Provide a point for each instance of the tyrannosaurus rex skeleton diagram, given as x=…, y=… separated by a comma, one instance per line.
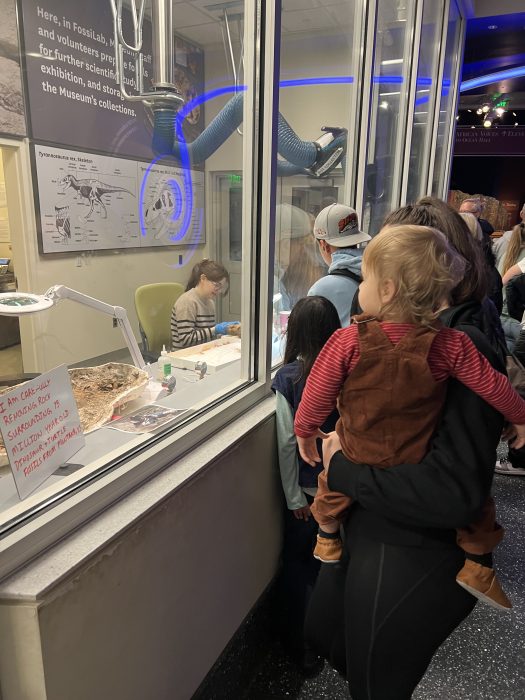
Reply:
x=92, y=190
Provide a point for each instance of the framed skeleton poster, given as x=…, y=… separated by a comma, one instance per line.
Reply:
x=88, y=202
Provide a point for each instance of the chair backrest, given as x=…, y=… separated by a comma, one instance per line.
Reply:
x=153, y=304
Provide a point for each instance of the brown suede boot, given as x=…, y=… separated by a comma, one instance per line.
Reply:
x=482, y=583
x=328, y=550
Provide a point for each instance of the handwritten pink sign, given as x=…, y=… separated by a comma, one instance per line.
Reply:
x=41, y=428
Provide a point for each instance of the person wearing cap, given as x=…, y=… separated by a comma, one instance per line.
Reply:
x=336, y=230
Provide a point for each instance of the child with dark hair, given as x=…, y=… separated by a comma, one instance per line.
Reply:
x=387, y=374
x=193, y=314
x=311, y=322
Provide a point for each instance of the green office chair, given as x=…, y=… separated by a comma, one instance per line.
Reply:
x=153, y=304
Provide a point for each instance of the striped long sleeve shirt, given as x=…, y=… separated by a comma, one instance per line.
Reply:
x=192, y=320
x=452, y=354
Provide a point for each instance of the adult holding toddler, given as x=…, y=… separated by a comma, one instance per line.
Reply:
x=380, y=614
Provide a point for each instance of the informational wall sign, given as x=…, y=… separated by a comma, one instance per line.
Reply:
x=496, y=141
x=12, y=113
x=41, y=428
x=72, y=93
x=93, y=202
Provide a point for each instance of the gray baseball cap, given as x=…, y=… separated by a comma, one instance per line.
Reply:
x=338, y=225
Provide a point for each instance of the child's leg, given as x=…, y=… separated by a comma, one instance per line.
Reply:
x=478, y=541
x=328, y=509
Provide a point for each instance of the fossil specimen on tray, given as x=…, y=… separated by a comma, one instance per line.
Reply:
x=99, y=390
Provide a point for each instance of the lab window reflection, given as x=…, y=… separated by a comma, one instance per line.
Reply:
x=298, y=262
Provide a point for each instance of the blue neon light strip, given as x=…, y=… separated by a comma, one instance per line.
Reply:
x=492, y=78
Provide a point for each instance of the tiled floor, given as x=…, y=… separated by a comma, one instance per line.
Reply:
x=483, y=660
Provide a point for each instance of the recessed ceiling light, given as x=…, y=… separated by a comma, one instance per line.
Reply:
x=492, y=26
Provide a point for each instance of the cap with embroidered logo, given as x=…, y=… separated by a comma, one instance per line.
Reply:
x=338, y=225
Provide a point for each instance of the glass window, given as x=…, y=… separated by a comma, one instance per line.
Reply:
x=319, y=64
x=425, y=97
x=446, y=121
x=392, y=65
x=144, y=216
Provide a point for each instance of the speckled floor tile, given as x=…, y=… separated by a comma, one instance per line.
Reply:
x=483, y=660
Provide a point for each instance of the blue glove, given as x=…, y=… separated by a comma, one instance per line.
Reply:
x=222, y=328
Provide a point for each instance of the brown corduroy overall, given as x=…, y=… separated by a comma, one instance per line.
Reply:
x=389, y=407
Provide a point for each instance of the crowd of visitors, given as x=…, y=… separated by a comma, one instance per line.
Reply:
x=416, y=463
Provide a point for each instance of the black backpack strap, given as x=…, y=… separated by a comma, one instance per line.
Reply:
x=345, y=272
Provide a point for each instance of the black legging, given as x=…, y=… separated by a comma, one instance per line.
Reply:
x=380, y=618
x=298, y=574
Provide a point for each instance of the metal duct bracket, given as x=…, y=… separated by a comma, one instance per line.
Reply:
x=166, y=93
x=228, y=47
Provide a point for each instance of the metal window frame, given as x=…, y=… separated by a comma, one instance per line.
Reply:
x=418, y=14
x=366, y=96
x=444, y=183
x=356, y=103
x=439, y=83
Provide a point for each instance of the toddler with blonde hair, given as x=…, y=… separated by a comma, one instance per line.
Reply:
x=386, y=372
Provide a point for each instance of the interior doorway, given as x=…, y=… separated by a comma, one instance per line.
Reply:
x=227, y=218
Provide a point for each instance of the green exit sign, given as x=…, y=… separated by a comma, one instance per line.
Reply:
x=235, y=179
x=502, y=103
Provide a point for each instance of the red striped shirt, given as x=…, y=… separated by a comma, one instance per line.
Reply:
x=452, y=354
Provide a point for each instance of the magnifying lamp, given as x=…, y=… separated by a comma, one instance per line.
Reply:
x=20, y=304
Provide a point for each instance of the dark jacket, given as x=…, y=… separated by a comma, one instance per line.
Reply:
x=515, y=293
x=418, y=503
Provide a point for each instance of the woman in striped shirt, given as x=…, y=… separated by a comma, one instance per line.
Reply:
x=193, y=315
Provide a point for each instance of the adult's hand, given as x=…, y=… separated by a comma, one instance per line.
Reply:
x=331, y=445
x=308, y=447
x=302, y=513
x=222, y=327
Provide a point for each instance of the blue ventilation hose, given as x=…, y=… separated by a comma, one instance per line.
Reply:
x=299, y=155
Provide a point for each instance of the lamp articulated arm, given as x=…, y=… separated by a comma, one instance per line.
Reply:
x=119, y=312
